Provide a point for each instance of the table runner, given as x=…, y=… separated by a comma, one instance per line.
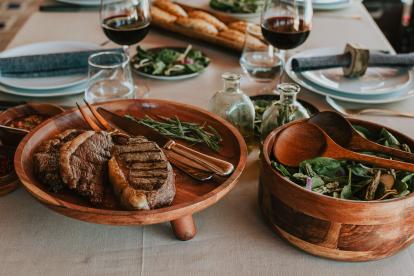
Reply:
x=232, y=238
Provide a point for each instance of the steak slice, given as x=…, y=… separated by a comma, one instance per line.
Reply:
x=84, y=162
x=46, y=159
x=141, y=175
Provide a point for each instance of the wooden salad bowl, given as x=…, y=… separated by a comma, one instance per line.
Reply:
x=11, y=139
x=334, y=228
x=191, y=195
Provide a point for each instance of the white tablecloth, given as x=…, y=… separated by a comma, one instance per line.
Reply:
x=232, y=237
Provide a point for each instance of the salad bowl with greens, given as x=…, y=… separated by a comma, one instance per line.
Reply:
x=169, y=63
x=338, y=209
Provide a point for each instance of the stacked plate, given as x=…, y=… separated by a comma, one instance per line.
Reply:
x=378, y=85
x=82, y=2
x=331, y=4
x=46, y=86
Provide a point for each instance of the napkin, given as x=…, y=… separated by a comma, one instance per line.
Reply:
x=376, y=59
x=48, y=65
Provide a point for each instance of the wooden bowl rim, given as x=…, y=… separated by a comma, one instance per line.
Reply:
x=174, y=211
x=18, y=109
x=275, y=132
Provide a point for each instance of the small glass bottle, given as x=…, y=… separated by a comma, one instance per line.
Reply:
x=233, y=105
x=285, y=110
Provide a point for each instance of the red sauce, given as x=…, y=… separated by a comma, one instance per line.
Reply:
x=28, y=122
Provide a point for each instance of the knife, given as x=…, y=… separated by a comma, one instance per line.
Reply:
x=218, y=166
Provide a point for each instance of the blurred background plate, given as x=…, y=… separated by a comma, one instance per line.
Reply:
x=376, y=81
x=82, y=2
x=405, y=93
x=46, y=83
x=72, y=90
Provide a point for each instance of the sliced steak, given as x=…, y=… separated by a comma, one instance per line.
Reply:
x=141, y=175
x=46, y=159
x=84, y=163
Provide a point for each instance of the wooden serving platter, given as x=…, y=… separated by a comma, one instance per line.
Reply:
x=211, y=39
x=11, y=139
x=191, y=196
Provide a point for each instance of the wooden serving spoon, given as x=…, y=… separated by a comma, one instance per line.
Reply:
x=341, y=131
x=303, y=141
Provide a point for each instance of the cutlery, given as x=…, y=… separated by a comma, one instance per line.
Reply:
x=14, y=129
x=373, y=111
x=341, y=131
x=303, y=141
x=218, y=166
x=195, y=171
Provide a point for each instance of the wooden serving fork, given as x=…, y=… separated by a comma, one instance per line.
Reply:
x=194, y=170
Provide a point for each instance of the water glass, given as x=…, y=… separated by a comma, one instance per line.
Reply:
x=262, y=64
x=109, y=77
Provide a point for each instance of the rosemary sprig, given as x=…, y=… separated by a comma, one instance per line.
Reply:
x=190, y=132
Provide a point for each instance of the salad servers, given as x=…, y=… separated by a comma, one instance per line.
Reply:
x=303, y=141
x=340, y=130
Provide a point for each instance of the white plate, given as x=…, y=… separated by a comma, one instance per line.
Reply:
x=73, y=90
x=332, y=4
x=405, y=93
x=82, y=2
x=376, y=81
x=46, y=83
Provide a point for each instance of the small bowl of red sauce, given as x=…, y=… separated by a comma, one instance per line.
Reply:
x=26, y=117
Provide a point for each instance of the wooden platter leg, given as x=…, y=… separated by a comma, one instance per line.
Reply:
x=184, y=228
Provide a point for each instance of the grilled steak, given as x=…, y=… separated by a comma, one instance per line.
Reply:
x=46, y=159
x=83, y=163
x=141, y=175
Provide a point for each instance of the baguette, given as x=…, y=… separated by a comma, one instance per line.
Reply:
x=171, y=8
x=197, y=25
x=160, y=16
x=241, y=26
x=209, y=19
x=233, y=35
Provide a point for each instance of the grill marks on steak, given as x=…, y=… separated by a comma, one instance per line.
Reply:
x=46, y=159
x=141, y=174
x=83, y=163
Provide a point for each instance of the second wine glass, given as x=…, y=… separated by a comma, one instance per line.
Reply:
x=286, y=24
x=125, y=22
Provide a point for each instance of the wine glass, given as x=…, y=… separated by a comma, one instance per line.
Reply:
x=261, y=62
x=286, y=24
x=125, y=22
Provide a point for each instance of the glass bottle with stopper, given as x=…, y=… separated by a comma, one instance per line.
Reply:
x=233, y=105
x=285, y=110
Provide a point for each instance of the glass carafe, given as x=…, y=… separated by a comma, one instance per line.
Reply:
x=285, y=110
x=233, y=105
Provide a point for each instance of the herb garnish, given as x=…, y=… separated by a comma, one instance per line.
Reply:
x=187, y=131
x=353, y=180
x=237, y=6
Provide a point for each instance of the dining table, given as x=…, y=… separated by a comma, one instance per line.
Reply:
x=233, y=237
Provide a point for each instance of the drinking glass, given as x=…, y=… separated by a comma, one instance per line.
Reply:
x=109, y=77
x=125, y=22
x=286, y=24
x=261, y=62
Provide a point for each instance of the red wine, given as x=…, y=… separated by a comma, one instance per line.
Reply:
x=282, y=33
x=124, y=30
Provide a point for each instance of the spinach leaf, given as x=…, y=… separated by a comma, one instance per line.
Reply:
x=322, y=166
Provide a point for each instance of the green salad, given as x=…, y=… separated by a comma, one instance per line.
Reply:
x=353, y=180
x=237, y=6
x=169, y=61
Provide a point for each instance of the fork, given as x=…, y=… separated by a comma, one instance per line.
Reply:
x=373, y=111
x=196, y=173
